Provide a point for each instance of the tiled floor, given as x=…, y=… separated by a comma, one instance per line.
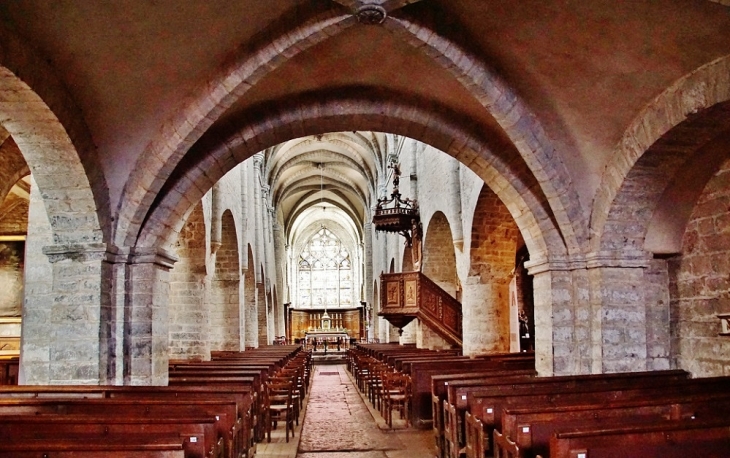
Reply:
x=340, y=423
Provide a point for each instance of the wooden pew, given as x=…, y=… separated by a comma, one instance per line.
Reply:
x=421, y=372
x=440, y=383
x=670, y=439
x=221, y=414
x=488, y=405
x=108, y=446
x=462, y=394
x=198, y=434
x=532, y=427
x=243, y=442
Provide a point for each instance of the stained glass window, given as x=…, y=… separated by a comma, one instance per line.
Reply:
x=325, y=275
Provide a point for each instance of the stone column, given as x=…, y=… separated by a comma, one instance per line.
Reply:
x=457, y=227
x=619, y=306
x=216, y=224
x=280, y=270
x=483, y=322
x=562, y=318
x=63, y=339
x=145, y=317
x=369, y=280
x=250, y=309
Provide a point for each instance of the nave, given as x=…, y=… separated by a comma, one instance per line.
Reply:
x=339, y=422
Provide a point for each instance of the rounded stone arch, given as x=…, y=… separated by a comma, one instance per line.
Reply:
x=557, y=195
x=514, y=117
x=250, y=309
x=188, y=329
x=418, y=120
x=439, y=257
x=49, y=131
x=14, y=166
x=224, y=305
x=391, y=269
x=495, y=240
x=177, y=136
x=407, y=263
x=698, y=282
x=644, y=159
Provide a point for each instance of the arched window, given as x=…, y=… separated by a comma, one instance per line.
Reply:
x=324, y=272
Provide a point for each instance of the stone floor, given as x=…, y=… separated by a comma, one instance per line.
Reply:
x=338, y=422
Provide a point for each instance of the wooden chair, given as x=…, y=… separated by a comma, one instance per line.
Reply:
x=396, y=395
x=279, y=407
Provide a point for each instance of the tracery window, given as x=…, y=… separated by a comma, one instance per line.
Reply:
x=325, y=272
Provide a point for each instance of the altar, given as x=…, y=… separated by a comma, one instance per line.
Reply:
x=326, y=340
x=306, y=325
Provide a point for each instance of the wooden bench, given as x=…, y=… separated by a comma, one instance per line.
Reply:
x=440, y=383
x=421, y=373
x=488, y=406
x=243, y=442
x=670, y=439
x=463, y=394
x=198, y=434
x=221, y=414
x=84, y=446
x=532, y=427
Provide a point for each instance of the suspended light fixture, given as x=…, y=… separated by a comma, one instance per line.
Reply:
x=399, y=215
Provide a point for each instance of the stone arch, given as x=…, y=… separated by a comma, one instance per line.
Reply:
x=486, y=297
x=262, y=305
x=698, y=283
x=188, y=318
x=223, y=303
x=407, y=263
x=439, y=258
x=250, y=304
x=635, y=165
x=513, y=115
x=72, y=226
x=14, y=166
x=50, y=132
x=520, y=125
x=182, y=131
x=391, y=269
x=512, y=182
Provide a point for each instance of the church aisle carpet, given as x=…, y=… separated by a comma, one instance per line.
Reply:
x=339, y=423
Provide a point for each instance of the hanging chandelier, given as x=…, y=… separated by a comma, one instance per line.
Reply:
x=397, y=214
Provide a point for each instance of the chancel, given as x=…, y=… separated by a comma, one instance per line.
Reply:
x=197, y=197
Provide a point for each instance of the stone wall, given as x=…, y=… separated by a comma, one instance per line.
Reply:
x=699, y=282
x=188, y=316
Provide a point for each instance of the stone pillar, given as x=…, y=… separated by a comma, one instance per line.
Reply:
x=63, y=338
x=146, y=319
x=262, y=318
x=36, y=335
x=280, y=269
x=457, y=227
x=250, y=309
x=557, y=344
x=409, y=335
x=216, y=223
x=619, y=308
x=484, y=321
x=369, y=280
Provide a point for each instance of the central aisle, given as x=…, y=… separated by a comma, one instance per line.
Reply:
x=339, y=423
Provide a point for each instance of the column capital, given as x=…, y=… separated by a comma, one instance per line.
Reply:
x=76, y=252
x=140, y=255
x=593, y=260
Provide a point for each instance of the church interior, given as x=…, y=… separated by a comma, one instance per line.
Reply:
x=536, y=186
